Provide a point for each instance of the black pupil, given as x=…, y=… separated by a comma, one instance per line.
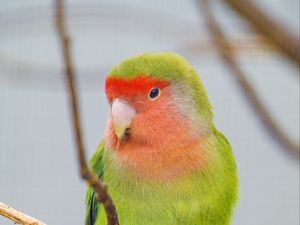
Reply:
x=154, y=93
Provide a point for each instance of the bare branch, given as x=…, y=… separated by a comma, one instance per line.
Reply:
x=228, y=56
x=102, y=194
x=276, y=33
x=18, y=217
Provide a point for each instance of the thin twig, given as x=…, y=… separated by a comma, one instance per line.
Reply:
x=18, y=217
x=102, y=194
x=263, y=23
x=229, y=59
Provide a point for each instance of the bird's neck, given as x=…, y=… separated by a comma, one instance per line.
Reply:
x=158, y=162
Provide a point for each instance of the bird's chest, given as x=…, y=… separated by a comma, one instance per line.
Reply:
x=154, y=203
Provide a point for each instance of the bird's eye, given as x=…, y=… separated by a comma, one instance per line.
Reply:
x=154, y=93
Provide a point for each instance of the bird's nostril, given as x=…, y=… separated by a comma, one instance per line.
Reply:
x=128, y=132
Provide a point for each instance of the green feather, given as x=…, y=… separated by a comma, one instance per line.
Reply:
x=204, y=198
x=96, y=166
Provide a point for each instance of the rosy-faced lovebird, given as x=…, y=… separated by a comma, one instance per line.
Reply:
x=162, y=159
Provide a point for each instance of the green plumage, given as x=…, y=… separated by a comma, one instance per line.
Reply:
x=205, y=197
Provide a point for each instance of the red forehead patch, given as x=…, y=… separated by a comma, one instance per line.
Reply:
x=141, y=84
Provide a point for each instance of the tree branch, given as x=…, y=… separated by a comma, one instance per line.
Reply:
x=277, y=34
x=102, y=194
x=18, y=217
x=228, y=57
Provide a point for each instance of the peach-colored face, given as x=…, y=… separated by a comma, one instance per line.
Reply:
x=159, y=133
x=156, y=120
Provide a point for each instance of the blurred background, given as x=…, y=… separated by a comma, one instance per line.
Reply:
x=38, y=170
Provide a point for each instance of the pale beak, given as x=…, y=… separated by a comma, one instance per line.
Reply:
x=122, y=116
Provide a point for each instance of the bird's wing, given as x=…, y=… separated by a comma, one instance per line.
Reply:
x=96, y=166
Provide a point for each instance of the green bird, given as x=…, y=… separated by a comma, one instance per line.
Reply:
x=162, y=159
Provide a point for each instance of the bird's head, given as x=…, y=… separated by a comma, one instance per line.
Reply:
x=156, y=99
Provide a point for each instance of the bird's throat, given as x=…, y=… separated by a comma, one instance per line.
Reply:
x=160, y=163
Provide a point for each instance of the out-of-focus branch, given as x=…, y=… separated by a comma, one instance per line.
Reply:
x=277, y=34
x=228, y=56
x=18, y=217
x=102, y=194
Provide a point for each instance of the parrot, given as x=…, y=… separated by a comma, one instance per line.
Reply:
x=162, y=159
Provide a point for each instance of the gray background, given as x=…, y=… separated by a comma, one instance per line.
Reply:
x=38, y=171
